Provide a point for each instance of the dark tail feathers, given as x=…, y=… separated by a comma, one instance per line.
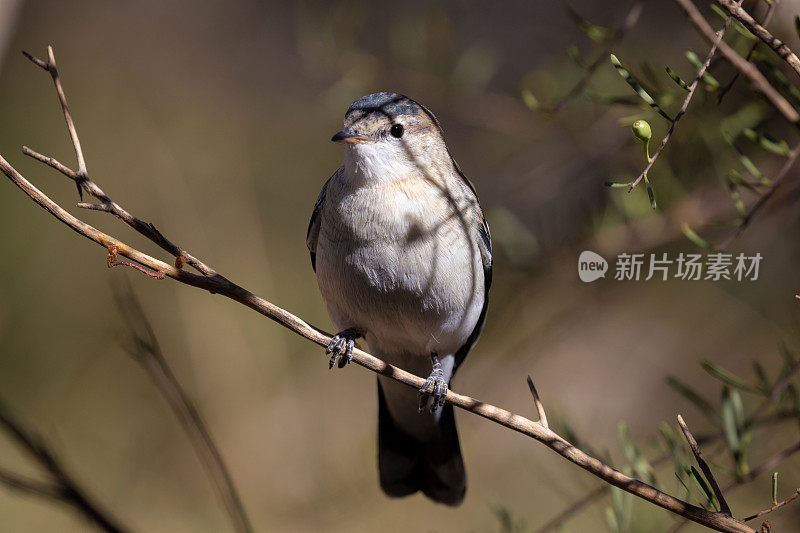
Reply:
x=407, y=465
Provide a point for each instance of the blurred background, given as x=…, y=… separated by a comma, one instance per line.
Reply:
x=212, y=120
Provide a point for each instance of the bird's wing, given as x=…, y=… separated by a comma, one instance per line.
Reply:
x=316, y=219
x=481, y=231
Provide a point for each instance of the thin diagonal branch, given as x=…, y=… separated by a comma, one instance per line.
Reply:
x=221, y=285
x=682, y=111
x=778, y=46
x=64, y=487
x=147, y=351
x=701, y=462
x=774, y=507
x=756, y=78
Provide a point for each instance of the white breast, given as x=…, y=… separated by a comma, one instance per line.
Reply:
x=399, y=259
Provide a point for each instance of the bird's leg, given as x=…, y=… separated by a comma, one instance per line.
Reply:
x=435, y=386
x=341, y=347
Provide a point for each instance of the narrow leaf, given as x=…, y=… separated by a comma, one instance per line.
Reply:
x=708, y=79
x=694, y=237
x=703, y=486
x=735, y=196
x=695, y=398
x=677, y=79
x=637, y=87
x=650, y=194
x=615, y=185
x=730, y=378
x=598, y=34
x=767, y=142
x=530, y=100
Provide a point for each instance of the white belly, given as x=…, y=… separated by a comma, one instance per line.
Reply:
x=412, y=282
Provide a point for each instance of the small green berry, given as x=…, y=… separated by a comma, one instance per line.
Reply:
x=641, y=130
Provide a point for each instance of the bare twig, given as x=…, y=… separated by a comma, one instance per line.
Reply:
x=64, y=488
x=774, y=507
x=630, y=21
x=538, y=402
x=221, y=285
x=147, y=351
x=682, y=111
x=762, y=33
x=757, y=79
x=701, y=462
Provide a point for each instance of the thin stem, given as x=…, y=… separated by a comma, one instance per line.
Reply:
x=682, y=111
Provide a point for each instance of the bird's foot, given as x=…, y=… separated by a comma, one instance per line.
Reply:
x=341, y=347
x=432, y=394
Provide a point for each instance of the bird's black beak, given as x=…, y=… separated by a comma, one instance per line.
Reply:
x=349, y=135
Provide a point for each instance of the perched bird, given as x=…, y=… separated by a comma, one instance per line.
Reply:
x=403, y=259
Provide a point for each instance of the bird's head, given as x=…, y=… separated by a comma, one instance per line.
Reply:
x=390, y=134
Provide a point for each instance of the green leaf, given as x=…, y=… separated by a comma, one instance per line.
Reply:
x=729, y=426
x=598, y=34
x=768, y=142
x=761, y=375
x=694, y=237
x=530, y=100
x=775, y=474
x=708, y=79
x=575, y=55
x=738, y=26
x=677, y=79
x=689, y=492
x=776, y=77
x=730, y=378
x=611, y=520
x=650, y=194
x=695, y=398
x=615, y=185
x=701, y=484
x=734, y=192
x=736, y=179
x=640, y=465
x=637, y=87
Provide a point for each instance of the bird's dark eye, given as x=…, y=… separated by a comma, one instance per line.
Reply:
x=396, y=130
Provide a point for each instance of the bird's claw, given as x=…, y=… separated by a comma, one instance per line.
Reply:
x=434, y=390
x=341, y=348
